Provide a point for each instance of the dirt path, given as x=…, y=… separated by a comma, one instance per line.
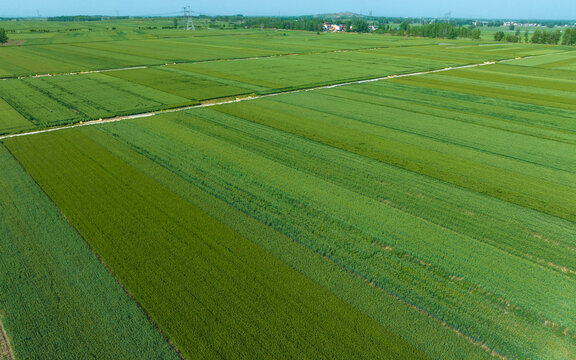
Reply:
x=5, y=350
x=240, y=99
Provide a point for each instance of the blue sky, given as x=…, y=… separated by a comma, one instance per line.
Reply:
x=558, y=9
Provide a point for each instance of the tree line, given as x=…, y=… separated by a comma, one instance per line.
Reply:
x=85, y=18
x=540, y=37
x=569, y=37
x=3, y=36
x=309, y=24
x=442, y=30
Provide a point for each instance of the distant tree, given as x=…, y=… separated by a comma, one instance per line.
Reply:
x=3, y=36
x=476, y=33
x=546, y=37
x=348, y=25
x=512, y=38
x=537, y=37
x=405, y=26
x=360, y=26
x=175, y=23
x=569, y=37
x=555, y=37
x=526, y=36
x=442, y=30
x=511, y=27
x=499, y=36
x=572, y=37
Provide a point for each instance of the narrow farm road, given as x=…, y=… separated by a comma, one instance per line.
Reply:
x=249, y=98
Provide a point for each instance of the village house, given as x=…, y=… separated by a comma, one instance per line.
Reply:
x=333, y=27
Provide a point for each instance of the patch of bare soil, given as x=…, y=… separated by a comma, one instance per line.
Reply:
x=13, y=43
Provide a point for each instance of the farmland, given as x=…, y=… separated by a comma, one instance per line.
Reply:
x=58, y=100
x=47, y=268
x=213, y=259
x=198, y=69
x=426, y=216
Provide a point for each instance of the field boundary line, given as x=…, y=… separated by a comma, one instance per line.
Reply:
x=254, y=97
x=162, y=333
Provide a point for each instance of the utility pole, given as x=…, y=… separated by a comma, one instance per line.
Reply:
x=189, y=22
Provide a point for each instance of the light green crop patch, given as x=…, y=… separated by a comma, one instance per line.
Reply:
x=11, y=120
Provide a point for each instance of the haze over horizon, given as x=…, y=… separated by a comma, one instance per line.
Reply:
x=514, y=9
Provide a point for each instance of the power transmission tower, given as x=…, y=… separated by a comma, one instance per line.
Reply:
x=189, y=22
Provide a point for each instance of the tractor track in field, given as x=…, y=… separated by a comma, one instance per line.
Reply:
x=210, y=103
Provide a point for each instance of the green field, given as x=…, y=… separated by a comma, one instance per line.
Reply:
x=198, y=68
x=56, y=298
x=178, y=47
x=239, y=300
x=426, y=216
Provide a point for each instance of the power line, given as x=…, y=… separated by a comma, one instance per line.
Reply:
x=189, y=22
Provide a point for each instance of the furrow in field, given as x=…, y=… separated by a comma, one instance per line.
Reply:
x=268, y=143
x=503, y=116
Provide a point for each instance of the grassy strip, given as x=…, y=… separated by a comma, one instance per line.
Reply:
x=10, y=120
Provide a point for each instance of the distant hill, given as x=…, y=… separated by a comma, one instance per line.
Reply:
x=344, y=14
